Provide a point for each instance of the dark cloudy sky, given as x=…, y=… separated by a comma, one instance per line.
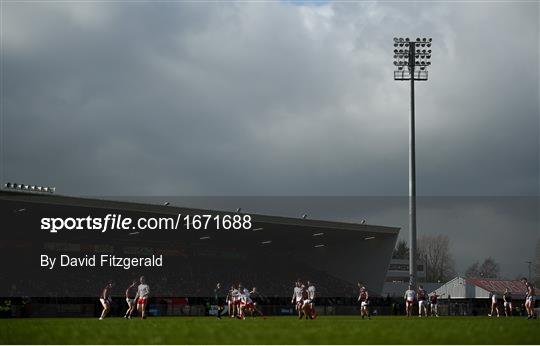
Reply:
x=269, y=98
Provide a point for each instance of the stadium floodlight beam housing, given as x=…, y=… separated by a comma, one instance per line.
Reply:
x=30, y=188
x=412, y=63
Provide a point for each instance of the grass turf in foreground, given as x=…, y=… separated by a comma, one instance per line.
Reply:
x=274, y=330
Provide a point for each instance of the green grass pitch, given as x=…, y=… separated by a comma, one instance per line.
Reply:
x=274, y=330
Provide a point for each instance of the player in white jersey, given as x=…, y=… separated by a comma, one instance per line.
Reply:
x=235, y=296
x=105, y=299
x=131, y=292
x=243, y=301
x=297, y=298
x=422, y=301
x=309, y=303
x=238, y=300
x=247, y=304
x=143, y=293
x=410, y=296
x=230, y=300
x=494, y=305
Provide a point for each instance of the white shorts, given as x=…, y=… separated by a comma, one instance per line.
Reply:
x=364, y=303
x=130, y=301
x=421, y=303
x=105, y=301
x=507, y=304
x=307, y=301
x=434, y=306
x=531, y=298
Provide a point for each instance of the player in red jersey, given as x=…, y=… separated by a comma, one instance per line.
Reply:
x=131, y=292
x=305, y=310
x=363, y=298
x=105, y=299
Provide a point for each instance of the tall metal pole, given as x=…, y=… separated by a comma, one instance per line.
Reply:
x=409, y=58
x=412, y=178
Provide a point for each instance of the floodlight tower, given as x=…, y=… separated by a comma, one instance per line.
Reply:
x=411, y=59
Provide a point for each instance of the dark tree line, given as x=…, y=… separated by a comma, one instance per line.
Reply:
x=434, y=253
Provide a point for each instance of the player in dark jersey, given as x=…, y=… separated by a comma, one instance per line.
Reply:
x=304, y=308
x=529, y=298
x=433, y=302
x=105, y=299
x=131, y=292
x=507, y=298
x=255, y=298
x=363, y=298
x=218, y=299
x=422, y=301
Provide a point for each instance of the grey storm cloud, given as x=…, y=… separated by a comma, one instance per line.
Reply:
x=268, y=98
x=276, y=98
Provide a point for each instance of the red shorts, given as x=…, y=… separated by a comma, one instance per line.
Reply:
x=142, y=300
x=409, y=302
